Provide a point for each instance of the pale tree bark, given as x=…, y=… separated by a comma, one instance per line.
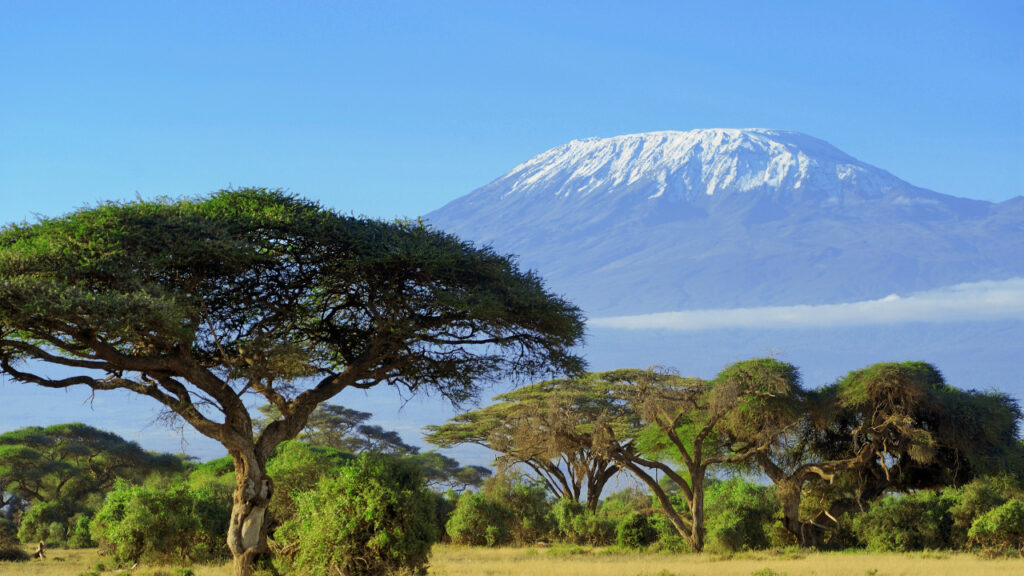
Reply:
x=247, y=529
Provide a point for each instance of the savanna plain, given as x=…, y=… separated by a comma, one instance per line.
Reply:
x=450, y=560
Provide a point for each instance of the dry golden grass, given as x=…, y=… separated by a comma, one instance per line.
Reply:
x=459, y=561
x=463, y=561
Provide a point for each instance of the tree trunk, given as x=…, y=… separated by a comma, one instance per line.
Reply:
x=247, y=531
x=790, y=493
x=697, y=513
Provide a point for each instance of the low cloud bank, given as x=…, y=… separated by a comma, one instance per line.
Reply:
x=990, y=300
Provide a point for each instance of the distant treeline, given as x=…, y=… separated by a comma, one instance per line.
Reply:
x=888, y=457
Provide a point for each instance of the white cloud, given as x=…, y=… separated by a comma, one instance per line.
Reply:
x=990, y=300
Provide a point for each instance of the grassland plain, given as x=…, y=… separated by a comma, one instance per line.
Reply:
x=581, y=561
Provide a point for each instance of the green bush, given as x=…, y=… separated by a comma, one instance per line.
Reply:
x=906, y=522
x=444, y=507
x=974, y=499
x=79, y=535
x=578, y=525
x=1000, y=529
x=296, y=467
x=42, y=522
x=739, y=515
x=635, y=531
x=626, y=501
x=139, y=523
x=375, y=517
x=477, y=521
x=528, y=502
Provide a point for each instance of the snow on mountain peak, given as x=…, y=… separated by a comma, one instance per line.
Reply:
x=689, y=164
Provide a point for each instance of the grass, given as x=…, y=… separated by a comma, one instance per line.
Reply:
x=586, y=561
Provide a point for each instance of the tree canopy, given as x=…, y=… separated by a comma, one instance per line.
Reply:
x=197, y=302
x=70, y=461
x=893, y=426
x=537, y=426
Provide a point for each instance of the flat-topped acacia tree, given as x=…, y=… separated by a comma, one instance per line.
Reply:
x=196, y=303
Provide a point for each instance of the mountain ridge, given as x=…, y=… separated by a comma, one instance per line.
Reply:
x=721, y=217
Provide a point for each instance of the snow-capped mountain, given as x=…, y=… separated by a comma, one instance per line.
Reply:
x=684, y=165
x=717, y=218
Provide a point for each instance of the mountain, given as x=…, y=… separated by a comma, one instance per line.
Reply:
x=725, y=218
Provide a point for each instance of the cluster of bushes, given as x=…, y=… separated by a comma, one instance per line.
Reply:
x=514, y=510
x=986, y=514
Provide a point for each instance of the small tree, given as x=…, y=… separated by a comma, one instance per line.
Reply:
x=660, y=416
x=376, y=517
x=197, y=303
x=535, y=426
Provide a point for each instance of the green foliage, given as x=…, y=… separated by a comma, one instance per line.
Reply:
x=479, y=521
x=635, y=531
x=974, y=499
x=296, y=467
x=527, y=500
x=140, y=523
x=906, y=522
x=342, y=429
x=579, y=525
x=375, y=517
x=79, y=536
x=740, y=515
x=442, y=472
x=37, y=522
x=545, y=426
x=1001, y=529
x=63, y=471
x=197, y=302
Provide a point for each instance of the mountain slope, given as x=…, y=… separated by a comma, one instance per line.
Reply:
x=720, y=218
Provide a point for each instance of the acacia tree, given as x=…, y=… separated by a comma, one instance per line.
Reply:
x=196, y=303
x=888, y=427
x=678, y=426
x=67, y=462
x=537, y=426
x=343, y=429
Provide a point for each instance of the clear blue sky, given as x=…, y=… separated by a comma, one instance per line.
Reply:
x=395, y=108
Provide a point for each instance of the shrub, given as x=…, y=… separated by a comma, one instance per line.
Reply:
x=444, y=506
x=43, y=522
x=974, y=499
x=528, y=502
x=906, y=522
x=161, y=525
x=626, y=501
x=740, y=515
x=296, y=467
x=79, y=535
x=578, y=525
x=477, y=521
x=375, y=517
x=635, y=531
x=1000, y=529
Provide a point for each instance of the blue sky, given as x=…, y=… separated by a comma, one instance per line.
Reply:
x=395, y=108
